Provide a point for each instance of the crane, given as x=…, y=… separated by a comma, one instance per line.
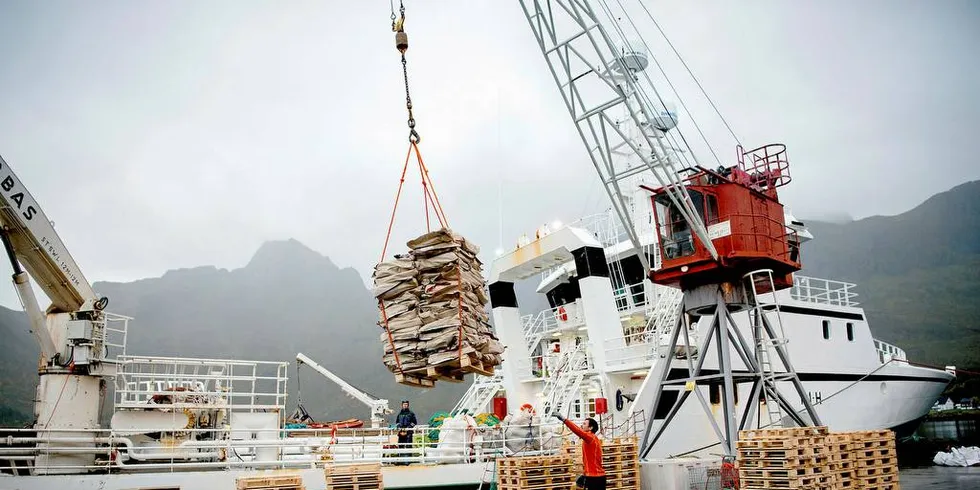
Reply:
x=78, y=339
x=379, y=407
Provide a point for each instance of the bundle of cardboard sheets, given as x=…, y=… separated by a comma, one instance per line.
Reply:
x=426, y=298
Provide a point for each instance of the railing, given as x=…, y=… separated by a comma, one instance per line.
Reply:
x=888, y=352
x=634, y=350
x=823, y=291
x=549, y=321
x=547, y=365
x=114, y=335
x=631, y=299
x=479, y=394
x=184, y=383
x=119, y=452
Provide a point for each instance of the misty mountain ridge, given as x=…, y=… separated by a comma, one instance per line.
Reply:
x=917, y=274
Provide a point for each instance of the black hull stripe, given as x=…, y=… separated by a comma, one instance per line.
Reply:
x=818, y=312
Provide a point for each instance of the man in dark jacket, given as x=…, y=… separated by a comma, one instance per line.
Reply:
x=404, y=422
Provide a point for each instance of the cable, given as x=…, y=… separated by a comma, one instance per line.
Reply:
x=681, y=58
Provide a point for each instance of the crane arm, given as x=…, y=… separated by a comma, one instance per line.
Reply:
x=378, y=406
x=39, y=248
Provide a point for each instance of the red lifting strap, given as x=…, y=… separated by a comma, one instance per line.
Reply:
x=429, y=199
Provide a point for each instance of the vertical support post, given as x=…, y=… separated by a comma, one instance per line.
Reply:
x=724, y=359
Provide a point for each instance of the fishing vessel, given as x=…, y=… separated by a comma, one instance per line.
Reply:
x=618, y=341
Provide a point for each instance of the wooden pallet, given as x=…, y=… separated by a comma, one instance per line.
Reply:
x=535, y=472
x=416, y=381
x=780, y=432
x=357, y=476
x=263, y=482
x=620, y=461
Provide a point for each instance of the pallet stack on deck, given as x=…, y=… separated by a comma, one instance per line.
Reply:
x=811, y=458
x=873, y=460
x=365, y=476
x=270, y=482
x=792, y=459
x=840, y=460
x=535, y=472
x=620, y=460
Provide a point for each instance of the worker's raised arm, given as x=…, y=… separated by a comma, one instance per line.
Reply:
x=576, y=429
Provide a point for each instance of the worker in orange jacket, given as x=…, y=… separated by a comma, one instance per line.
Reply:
x=595, y=475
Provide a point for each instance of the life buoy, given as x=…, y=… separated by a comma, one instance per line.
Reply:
x=561, y=314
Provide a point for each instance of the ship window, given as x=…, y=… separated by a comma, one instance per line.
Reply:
x=590, y=407
x=850, y=331
x=826, y=329
x=714, y=393
x=711, y=209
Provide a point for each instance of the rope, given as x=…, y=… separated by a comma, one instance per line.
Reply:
x=689, y=72
x=459, y=308
x=398, y=195
x=440, y=214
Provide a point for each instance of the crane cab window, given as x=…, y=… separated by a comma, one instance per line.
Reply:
x=676, y=237
x=710, y=209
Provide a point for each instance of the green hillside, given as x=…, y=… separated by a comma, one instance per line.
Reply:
x=918, y=274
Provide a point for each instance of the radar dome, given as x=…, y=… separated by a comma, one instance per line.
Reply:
x=633, y=56
x=664, y=116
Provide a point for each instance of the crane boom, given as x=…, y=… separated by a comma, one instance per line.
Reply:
x=598, y=83
x=379, y=407
x=39, y=248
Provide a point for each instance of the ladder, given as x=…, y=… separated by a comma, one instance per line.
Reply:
x=534, y=329
x=479, y=394
x=665, y=315
x=561, y=389
x=764, y=344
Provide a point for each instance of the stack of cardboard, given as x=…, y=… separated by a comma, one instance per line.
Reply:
x=432, y=307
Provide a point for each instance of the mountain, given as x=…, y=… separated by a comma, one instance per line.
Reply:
x=918, y=274
x=287, y=299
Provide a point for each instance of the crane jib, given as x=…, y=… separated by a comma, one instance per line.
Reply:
x=30, y=232
x=8, y=185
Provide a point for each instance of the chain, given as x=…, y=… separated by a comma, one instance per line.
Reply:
x=401, y=43
x=413, y=135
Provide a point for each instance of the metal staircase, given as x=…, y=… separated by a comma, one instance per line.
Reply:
x=479, y=394
x=665, y=313
x=534, y=327
x=560, y=390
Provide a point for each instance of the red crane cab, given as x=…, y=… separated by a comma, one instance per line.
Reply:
x=745, y=222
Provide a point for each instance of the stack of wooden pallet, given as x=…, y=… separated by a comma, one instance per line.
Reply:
x=620, y=460
x=366, y=476
x=796, y=458
x=535, y=472
x=290, y=481
x=841, y=465
x=873, y=462
x=810, y=457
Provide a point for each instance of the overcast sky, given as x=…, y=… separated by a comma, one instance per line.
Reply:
x=160, y=135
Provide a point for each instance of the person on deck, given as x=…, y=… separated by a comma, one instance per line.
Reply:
x=404, y=422
x=595, y=475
